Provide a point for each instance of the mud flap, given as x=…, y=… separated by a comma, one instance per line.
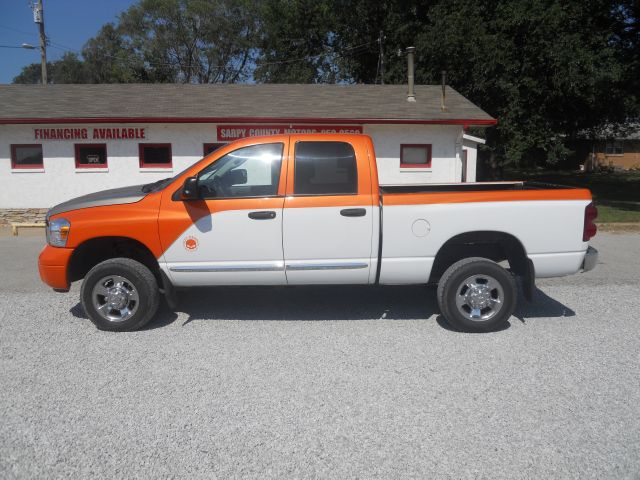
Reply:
x=529, y=281
x=169, y=291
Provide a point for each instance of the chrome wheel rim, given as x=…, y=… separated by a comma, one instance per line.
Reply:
x=115, y=298
x=479, y=297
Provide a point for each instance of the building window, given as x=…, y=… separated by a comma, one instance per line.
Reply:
x=26, y=156
x=211, y=147
x=91, y=155
x=614, y=148
x=325, y=168
x=155, y=155
x=415, y=156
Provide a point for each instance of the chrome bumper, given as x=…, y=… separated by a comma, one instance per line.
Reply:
x=590, y=259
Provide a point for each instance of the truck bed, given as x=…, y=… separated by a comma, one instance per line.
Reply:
x=417, y=220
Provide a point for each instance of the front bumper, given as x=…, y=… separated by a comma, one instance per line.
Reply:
x=52, y=265
x=590, y=259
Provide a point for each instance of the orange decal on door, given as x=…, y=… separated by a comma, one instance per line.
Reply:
x=190, y=243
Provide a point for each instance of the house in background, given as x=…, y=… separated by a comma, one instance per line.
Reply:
x=613, y=150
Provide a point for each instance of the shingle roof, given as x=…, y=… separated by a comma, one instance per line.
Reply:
x=178, y=102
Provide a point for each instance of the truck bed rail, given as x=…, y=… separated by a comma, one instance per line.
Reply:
x=470, y=187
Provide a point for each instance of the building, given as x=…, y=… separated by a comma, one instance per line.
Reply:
x=619, y=150
x=61, y=141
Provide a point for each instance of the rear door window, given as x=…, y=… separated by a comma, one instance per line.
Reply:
x=325, y=168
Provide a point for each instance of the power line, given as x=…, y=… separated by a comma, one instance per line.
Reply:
x=19, y=31
x=310, y=57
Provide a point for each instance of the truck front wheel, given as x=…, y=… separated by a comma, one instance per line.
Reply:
x=120, y=295
x=477, y=295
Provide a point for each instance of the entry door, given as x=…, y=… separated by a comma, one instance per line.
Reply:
x=328, y=216
x=233, y=235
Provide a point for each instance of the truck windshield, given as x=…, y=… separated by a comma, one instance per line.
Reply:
x=160, y=184
x=156, y=186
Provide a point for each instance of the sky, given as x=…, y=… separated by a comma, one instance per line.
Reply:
x=68, y=24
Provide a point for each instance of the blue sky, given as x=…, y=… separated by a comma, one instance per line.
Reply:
x=68, y=23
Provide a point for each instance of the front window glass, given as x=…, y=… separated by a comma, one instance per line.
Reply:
x=252, y=171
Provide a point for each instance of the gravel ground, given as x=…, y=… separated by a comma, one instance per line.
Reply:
x=323, y=383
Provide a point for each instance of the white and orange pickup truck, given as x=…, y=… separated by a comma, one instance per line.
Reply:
x=308, y=209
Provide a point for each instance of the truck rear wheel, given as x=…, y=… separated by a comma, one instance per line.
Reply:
x=477, y=295
x=120, y=295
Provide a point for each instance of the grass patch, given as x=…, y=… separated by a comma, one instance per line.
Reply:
x=608, y=214
x=616, y=194
x=621, y=186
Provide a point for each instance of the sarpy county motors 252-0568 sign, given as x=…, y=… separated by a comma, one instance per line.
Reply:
x=109, y=133
x=228, y=133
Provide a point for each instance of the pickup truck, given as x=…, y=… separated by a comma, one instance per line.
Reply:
x=308, y=209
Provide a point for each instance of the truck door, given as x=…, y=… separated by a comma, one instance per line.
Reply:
x=328, y=213
x=233, y=234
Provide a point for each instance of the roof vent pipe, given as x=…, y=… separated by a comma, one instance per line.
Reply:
x=411, y=96
x=444, y=93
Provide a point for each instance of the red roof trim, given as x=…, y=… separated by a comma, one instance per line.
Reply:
x=363, y=121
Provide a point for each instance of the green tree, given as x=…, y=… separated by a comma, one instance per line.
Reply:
x=395, y=23
x=626, y=38
x=31, y=74
x=193, y=41
x=548, y=70
x=109, y=58
x=69, y=69
x=297, y=42
x=187, y=41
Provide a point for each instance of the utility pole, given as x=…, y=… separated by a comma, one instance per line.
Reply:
x=38, y=17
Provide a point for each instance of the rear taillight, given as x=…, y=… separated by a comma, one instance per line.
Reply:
x=590, y=228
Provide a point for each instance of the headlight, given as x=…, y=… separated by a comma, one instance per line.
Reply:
x=58, y=232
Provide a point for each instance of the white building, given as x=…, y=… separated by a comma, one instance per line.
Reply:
x=61, y=141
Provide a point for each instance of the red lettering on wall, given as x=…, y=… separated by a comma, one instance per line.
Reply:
x=117, y=133
x=227, y=133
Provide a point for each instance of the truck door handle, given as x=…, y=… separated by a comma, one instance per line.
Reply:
x=264, y=215
x=353, y=212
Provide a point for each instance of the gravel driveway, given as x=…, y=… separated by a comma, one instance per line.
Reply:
x=323, y=383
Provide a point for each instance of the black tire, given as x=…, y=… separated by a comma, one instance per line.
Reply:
x=454, y=283
x=142, y=304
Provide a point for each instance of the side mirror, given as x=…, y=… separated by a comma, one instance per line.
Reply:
x=190, y=189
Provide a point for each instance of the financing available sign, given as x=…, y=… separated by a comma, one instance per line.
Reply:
x=97, y=133
x=228, y=133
